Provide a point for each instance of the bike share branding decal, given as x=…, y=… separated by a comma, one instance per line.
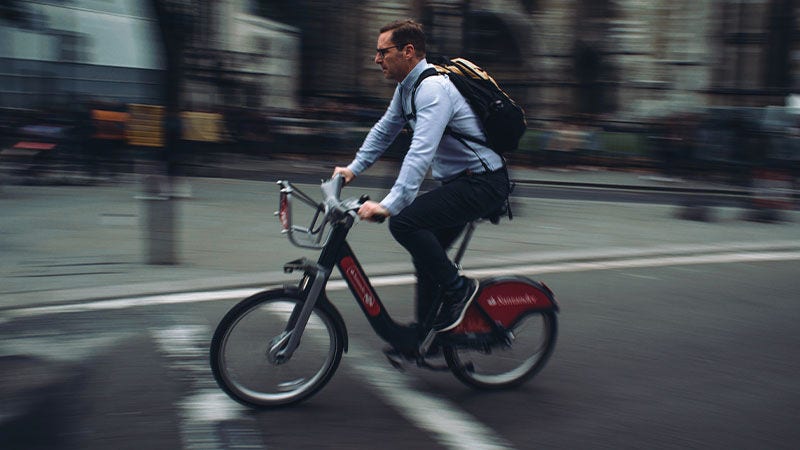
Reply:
x=360, y=286
x=505, y=301
x=522, y=300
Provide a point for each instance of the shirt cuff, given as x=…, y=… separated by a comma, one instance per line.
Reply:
x=356, y=167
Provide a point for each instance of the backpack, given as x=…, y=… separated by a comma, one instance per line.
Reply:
x=503, y=121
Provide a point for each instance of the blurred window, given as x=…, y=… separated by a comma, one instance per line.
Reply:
x=487, y=39
x=74, y=47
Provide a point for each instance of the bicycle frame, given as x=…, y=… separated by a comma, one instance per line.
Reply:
x=336, y=252
x=506, y=335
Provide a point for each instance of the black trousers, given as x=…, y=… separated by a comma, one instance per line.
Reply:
x=434, y=220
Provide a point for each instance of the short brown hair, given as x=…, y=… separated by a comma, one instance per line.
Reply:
x=407, y=32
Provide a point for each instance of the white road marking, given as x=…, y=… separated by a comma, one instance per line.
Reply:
x=68, y=348
x=661, y=261
x=209, y=419
x=398, y=280
x=444, y=420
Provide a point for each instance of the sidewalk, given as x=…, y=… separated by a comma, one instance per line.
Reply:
x=77, y=243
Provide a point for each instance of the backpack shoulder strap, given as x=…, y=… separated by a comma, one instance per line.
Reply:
x=425, y=74
x=462, y=138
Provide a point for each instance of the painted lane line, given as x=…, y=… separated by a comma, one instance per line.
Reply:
x=398, y=280
x=133, y=302
x=449, y=426
x=208, y=418
x=444, y=420
x=640, y=252
x=723, y=258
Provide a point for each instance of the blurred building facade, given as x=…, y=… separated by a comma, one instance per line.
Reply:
x=56, y=52
x=626, y=59
x=63, y=51
x=631, y=59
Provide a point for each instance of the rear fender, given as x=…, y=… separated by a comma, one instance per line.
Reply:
x=503, y=300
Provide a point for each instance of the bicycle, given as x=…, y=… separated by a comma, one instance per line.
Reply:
x=257, y=357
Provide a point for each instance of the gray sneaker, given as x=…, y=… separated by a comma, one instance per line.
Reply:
x=454, y=306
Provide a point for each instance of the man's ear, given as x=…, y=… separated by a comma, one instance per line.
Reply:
x=409, y=51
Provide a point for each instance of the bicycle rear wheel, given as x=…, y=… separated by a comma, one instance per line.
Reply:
x=500, y=366
x=244, y=336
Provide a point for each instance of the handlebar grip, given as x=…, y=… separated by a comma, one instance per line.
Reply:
x=380, y=218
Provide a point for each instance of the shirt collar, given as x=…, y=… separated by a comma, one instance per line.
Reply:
x=411, y=78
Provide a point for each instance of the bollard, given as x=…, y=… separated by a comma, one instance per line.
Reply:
x=159, y=219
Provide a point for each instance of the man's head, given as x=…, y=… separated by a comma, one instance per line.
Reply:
x=401, y=45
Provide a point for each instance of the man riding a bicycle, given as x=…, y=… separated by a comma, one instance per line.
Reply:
x=474, y=179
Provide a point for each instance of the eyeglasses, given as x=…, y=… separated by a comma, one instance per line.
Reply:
x=383, y=51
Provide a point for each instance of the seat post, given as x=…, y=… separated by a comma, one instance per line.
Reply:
x=464, y=243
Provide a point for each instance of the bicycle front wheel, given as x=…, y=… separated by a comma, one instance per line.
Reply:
x=242, y=341
x=500, y=366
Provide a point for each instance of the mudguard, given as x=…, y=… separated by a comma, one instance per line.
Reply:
x=503, y=301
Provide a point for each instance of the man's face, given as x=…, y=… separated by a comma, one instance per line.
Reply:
x=391, y=59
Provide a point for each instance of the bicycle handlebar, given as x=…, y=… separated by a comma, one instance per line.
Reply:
x=331, y=209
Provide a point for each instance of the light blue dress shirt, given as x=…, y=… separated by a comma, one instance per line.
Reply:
x=439, y=105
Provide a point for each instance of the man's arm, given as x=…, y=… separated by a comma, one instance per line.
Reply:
x=434, y=110
x=380, y=137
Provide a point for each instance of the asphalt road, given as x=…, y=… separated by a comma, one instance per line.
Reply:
x=673, y=333
x=654, y=353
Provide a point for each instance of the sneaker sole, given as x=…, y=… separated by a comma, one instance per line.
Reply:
x=463, y=311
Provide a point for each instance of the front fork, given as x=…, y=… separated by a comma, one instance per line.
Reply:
x=282, y=347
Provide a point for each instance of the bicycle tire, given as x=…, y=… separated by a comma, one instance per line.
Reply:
x=500, y=366
x=238, y=353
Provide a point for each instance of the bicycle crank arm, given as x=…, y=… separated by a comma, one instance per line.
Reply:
x=426, y=343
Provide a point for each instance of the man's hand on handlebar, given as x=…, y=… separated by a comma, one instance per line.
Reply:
x=345, y=172
x=373, y=211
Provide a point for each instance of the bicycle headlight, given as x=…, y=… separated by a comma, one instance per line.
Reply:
x=283, y=211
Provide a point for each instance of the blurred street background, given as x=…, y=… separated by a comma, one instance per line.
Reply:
x=657, y=195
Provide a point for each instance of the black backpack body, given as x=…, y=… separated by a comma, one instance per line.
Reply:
x=502, y=119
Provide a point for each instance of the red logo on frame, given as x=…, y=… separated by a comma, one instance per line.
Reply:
x=360, y=286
